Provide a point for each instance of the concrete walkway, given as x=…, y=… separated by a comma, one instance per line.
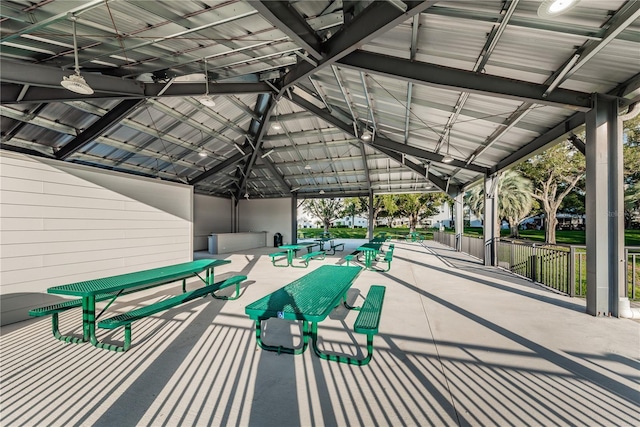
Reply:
x=459, y=344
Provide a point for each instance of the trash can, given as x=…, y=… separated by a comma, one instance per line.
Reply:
x=277, y=240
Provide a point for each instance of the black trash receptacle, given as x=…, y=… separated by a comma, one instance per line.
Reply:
x=277, y=240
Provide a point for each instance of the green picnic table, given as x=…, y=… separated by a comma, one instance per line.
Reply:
x=310, y=299
x=370, y=251
x=114, y=286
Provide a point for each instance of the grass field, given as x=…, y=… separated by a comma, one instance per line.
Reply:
x=631, y=237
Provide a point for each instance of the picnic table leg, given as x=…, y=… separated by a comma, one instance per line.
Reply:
x=89, y=327
x=337, y=357
x=56, y=332
x=279, y=349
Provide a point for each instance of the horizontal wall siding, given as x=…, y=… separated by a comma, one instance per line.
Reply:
x=63, y=223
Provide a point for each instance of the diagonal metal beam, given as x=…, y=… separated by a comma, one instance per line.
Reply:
x=540, y=142
x=100, y=126
x=389, y=148
x=627, y=14
x=422, y=153
x=217, y=168
x=283, y=16
x=578, y=143
x=461, y=80
x=378, y=18
x=262, y=129
x=274, y=172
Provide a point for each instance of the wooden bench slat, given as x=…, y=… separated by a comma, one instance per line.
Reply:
x=368, y=319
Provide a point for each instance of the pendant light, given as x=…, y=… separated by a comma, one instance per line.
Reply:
x=75, y=82
x=448, y=158
x=206, y=99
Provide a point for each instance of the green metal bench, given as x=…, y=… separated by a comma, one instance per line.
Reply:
x=367, y=323
x=353, y=255
x=334, y=248
x=307, y=257
x=278, y=256
x=126, y=319
x=55, y=309
x=388, y=257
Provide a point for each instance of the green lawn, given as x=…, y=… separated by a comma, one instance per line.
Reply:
x=360, y=233
x=631, y=237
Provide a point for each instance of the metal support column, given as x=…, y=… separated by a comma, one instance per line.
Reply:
x=294, y=218
x=371, y=224
x=491, y=228
x=604, y=208
x=458, y=217
x=235, y=226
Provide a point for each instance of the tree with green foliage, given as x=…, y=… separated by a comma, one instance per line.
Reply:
x=325, y=209
x=554, y=173
x=416, y=206
x=352, y=208
x=381, y=203
x=515, y=199
x=631, y=161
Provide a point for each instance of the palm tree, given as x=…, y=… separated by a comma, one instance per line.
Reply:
x=515, y=199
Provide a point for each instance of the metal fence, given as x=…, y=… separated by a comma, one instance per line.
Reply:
x=473, y=246
x=563, y=268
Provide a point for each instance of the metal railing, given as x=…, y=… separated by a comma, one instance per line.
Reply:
x=560, y=267
x=473, y=246
x=632, y=257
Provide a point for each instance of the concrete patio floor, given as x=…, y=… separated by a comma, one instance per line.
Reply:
x=459, y=344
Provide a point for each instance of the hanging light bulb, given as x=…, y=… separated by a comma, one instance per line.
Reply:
x=447, y=158
x=206, y=99
x=75, y=82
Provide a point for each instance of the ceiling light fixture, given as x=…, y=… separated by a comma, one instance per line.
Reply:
x=551, y=8
x=308, y=167
x=366, y=135
x=75, y=82
x=321, y=191
x=447, y=158
x=206, y=99
x=202, y=154
x=276, y=126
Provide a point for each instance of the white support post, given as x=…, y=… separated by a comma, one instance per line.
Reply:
x=604, y=208
x=371, y=224
x=294, y=218
x=490, y=222
x=458, y=218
